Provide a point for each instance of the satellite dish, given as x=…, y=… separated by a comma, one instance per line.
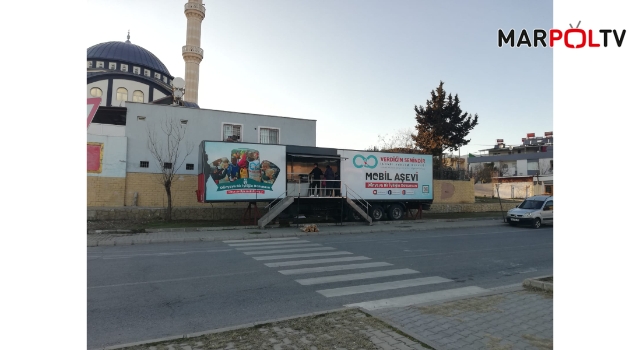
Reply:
x=177, y=93
x=178, y=83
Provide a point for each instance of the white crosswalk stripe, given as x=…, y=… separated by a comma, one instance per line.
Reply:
x=291, y=256
x=280, y=246
x=316, y=261
x=376, y=287
x=418, y=298
x=355, y=276
x=333, y=268
x=289, y=250
x=266, y=242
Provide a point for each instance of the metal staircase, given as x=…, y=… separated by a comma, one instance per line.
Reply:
x=359, y=205
x=275, y=210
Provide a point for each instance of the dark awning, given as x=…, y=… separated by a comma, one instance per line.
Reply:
x=316, y=156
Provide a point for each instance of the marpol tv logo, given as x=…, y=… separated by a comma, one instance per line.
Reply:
x=573, y=38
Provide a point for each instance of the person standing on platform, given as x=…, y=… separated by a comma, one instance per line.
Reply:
x=315, y=176
x=329, y=176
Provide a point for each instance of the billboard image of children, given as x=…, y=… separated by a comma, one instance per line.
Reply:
x=239, y=173
x=255, y=171
x=269, y=172
x=233, y=169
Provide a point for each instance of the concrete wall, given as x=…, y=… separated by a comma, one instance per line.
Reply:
x=519, y=190
x=236, y=212
x=202, y=125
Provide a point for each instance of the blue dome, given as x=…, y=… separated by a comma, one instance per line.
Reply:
x=129, y=53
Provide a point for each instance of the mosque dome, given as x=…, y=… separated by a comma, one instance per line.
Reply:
x=127, y=52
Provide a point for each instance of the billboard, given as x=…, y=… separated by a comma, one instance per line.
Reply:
x=243, y=171
x=387, y=176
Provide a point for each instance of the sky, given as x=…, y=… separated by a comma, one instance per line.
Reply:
x=357, y=67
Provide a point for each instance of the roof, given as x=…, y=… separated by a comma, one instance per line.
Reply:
x=129, y=53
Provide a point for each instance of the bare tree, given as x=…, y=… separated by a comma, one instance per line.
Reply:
x=546, y=166
x=400, y=141
x=168, y=153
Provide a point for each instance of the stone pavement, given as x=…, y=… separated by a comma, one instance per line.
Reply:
x=345, y=329
x=511, y=319
x=502, y=319
x=228, y=233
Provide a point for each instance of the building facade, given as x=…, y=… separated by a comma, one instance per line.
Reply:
x=122, y=170
x=525, y=169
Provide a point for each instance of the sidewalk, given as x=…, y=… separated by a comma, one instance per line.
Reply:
x=502, y=319
x=111, y=238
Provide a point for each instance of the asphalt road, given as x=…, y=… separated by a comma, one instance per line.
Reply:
x=143, y=292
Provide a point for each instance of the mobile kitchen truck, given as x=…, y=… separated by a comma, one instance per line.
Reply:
x=368, y=185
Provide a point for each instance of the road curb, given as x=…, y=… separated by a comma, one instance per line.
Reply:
x=266, y=234
x=235, y=228
x=535, y=284
x=220, y=330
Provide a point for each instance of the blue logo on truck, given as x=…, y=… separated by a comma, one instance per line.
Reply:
x=360, y=161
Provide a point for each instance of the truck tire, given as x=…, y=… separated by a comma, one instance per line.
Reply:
x=353, y=215
x=395, y=212
x=376, y=213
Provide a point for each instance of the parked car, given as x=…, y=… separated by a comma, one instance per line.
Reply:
x=534, y=211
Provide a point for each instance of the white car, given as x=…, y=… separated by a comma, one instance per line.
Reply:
x=534, y=211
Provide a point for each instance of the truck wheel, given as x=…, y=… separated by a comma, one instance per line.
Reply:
x=376, y=213
x=537, y=223
x=395, y=212
x=354, y=216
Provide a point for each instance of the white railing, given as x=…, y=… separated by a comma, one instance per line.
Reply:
x=355, y=197
x=270, y=205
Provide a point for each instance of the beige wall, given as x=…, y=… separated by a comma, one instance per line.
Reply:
x=151, y=193
x=105, y=191
x=447, y=191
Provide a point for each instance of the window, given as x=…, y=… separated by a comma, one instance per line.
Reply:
x=138, y=96
x=89, y=64
x=121, y=94
x=269, y=135
x=147, y=73
x=112, y=65
x=168, y=165
x=136, y=70
x=124, y=68
x=164, y=78
x=96, y=92
x=100, y=64
x=532, y=164
x=144, y=164
x=189, y=166
x=157, y=75
x=231, y=132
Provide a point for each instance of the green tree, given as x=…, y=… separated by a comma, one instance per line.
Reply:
x=441, y=125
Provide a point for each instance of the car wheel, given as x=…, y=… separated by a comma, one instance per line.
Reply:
x=537, y=223
x=395, y=212
x=376, y=213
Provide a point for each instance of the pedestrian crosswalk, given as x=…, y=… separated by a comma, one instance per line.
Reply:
x=328, y=260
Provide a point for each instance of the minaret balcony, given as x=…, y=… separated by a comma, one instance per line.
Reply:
x=194, y=6
x=192, y=50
